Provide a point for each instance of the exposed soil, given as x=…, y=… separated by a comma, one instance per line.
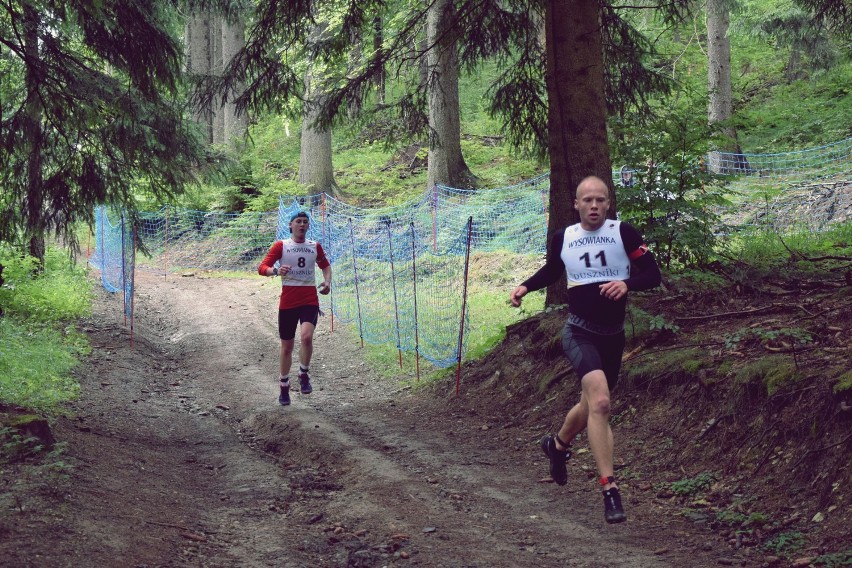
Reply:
x=182, y=456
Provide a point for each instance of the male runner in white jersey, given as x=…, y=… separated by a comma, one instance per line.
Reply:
x=299, y=302
x=603, y=260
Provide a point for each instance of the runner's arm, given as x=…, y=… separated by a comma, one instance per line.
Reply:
x=645, y=273
x=553, y=268
x=267, y=265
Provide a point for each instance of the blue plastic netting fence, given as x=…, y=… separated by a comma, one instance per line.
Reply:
x=810, y=164
x=803, y=165
x=114, y=256
x=399, y=271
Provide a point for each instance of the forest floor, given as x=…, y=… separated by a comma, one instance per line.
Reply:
x=177, y=454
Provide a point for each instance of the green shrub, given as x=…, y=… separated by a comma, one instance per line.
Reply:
x=60, y=293
x=35, y=364
x=640, y=324
x=834, y=560
x=844, y=382
x=693, y=485
x=772, y=372
x=38, y=349
x=785, y=543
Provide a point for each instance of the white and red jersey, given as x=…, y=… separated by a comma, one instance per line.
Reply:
x=592, y=257
x=298, y=286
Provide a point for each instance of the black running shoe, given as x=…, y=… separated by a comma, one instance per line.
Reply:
x=613, y=511
x=558, y=469
x=284, y=397
x=305, y=383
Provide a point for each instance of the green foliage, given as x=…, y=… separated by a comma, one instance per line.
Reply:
x=660, y=323
x=772, y=373
x=693, y=366
x=785, y=542
x=690, y=486
x=763, y=253
x=844, y=382
x=671, y=198
x=38, y=467
x=369, y=171
x=60, y=293
x=834, y=560
x=756, y=520
x=666, y=366
x=89, y=112
x=14, y=446
x=794, y=335
x=38, y=349
x=799, y=115
x=641, y=324
x=35, y=363
x=731, y=517
x=490, y=313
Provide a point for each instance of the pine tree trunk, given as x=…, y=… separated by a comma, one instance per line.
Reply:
x=378, y=40
x=198, y=63
x=794, y=64
x=216, y=67
x=446, y=163
x=315, y=166
x=720, y=107
x=356, y=53
x=34, y=202
x=233, y=39
x=577, y=134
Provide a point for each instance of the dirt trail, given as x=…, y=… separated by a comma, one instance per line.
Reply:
x=183, y=457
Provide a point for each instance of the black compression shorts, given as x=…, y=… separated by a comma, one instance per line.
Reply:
x=289, y=319
x=589, y=352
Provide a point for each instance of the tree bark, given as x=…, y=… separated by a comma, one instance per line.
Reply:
x=378, y=41
x=198, y=64
x=233, y=39
x=446, y=163
x=315, y=166
x=215, y=47
x=794, y=64
x=720, y=106
x=577, y=133
x=34, y=202
x=356, y=54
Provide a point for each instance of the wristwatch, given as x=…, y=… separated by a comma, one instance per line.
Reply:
x=275, y=271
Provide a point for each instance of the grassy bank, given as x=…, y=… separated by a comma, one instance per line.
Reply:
x=39, y=344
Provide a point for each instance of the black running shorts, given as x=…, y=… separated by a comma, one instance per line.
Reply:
x=288, y=320
x=589, y=352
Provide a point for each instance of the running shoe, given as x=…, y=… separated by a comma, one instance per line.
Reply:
x=613, y=511
x=305, y=383
x=558, y=469
x=284, y=397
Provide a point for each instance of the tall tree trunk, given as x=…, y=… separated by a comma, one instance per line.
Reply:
x=720, y=107
x=198, y=63
x=794, y=64
x=577, y=134
x=446, y=163
x=315, y=166
x=422, y=60
x=356, y=53
x=34, y=202
x=233, y=39
x=378, y=41
x=216, y=67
